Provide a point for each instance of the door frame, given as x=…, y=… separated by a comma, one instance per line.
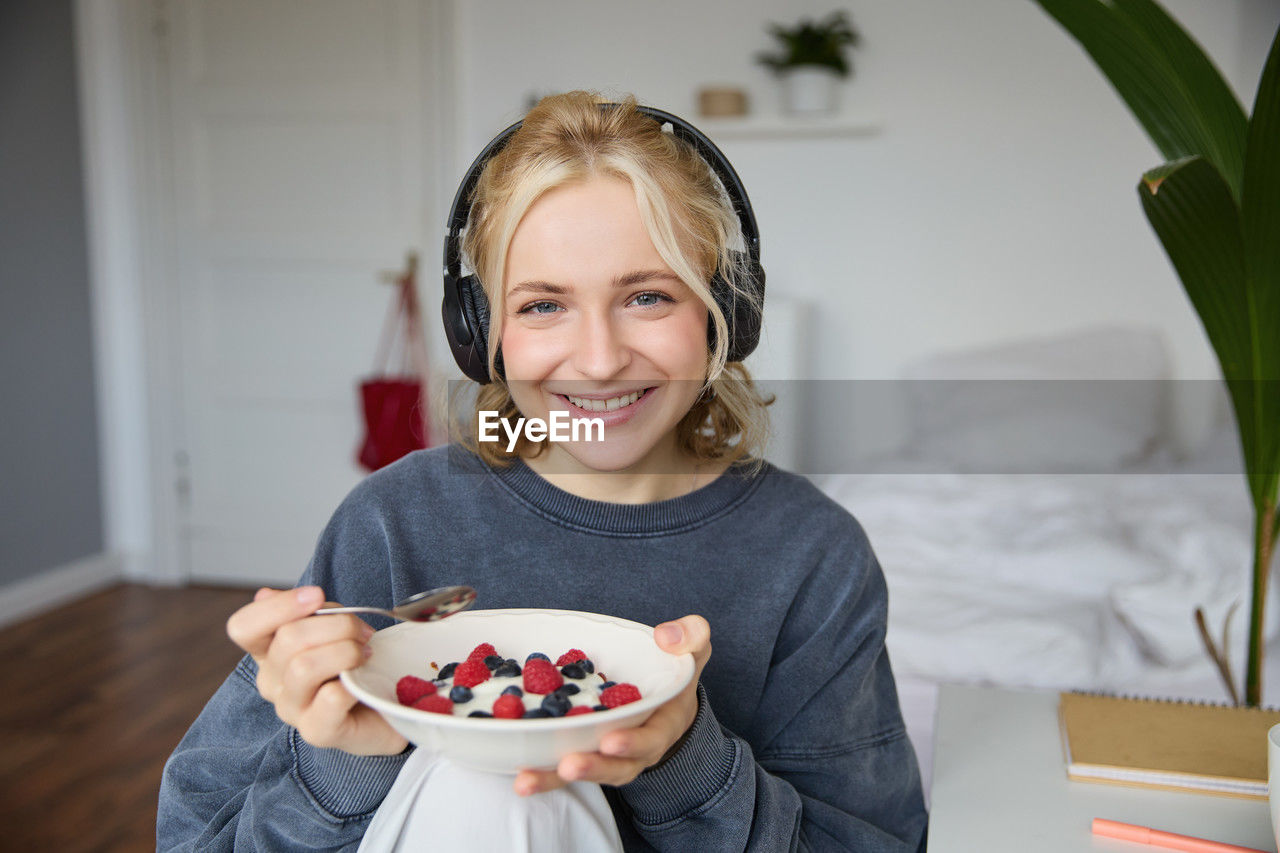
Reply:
x=127, y=151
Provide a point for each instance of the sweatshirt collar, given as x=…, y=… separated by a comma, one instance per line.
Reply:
x=672, y=515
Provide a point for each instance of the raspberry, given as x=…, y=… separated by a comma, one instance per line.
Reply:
x=508, y=707
x=435, y=703
x=470, y=673
x=619, y=694
x=578, y=709
x=411, y=688
x=570, y=656
x=541, y=677
x=482, y=651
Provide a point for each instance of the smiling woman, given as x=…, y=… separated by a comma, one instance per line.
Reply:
x=606, y=287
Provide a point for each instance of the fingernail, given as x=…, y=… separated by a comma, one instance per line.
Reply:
x=366, y=651
x=309, y=595
x=366, y=631
x=670, y=634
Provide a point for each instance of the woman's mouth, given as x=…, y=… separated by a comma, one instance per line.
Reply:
x=613, y=410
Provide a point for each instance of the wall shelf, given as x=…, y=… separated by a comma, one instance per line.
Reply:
x=773, y=126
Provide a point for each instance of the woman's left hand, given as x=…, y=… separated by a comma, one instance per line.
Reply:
x=626, y=752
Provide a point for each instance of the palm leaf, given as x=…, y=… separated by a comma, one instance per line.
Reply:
x=1172, y=89
x=1260, y=217
x=1217, y=104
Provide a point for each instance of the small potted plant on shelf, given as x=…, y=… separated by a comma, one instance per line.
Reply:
x=812, y=61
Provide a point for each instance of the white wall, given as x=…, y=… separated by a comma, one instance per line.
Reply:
x=998, y=200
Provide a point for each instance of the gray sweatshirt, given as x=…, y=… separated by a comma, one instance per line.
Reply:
x=798, y=742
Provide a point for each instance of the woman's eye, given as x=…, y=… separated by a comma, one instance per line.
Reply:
x=538, y=308
x=646, y=300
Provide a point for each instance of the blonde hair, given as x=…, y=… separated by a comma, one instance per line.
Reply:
x=568, y=138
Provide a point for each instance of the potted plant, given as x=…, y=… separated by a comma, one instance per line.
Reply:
x=1215, y=207
x=812, y=61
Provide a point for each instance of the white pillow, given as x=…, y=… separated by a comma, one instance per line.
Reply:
x=1088, y=402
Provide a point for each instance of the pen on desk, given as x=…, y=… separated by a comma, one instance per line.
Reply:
x=1169, y=840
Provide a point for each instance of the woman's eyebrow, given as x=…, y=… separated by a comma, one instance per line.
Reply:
x=625, y=280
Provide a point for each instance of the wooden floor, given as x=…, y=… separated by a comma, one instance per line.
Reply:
x=93, y=697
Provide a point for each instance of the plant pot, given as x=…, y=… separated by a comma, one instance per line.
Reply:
x=810, y=90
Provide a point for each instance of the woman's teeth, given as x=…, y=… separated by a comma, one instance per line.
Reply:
x=605, y=405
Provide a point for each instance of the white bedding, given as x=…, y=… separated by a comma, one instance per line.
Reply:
x=1053, y=581
x=1056, y=581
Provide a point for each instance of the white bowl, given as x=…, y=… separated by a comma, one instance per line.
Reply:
x=622, y=649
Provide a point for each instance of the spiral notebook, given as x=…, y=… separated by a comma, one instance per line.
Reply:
x=1158, y=743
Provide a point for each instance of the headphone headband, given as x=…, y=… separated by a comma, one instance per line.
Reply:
x=465, y=307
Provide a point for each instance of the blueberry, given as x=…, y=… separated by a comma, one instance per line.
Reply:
x=538, y=655
x=479, y=714
x=460, y=694
x=493, y=662
x=513, y=691
x=572, y=670
x=536, y=712
x=587, y=665
x=607, y=684
x=556, y=705
x=599, y=707
x=447, y=672
x=510, y=668
x=567, y=689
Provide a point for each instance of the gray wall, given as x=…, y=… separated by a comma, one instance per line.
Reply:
x=50, y=506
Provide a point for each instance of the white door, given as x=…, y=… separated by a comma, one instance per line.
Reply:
x=303, y=168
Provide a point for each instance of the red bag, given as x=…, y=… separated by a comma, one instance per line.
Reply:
x=395, y=420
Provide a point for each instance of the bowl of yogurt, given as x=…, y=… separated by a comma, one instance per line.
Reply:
x=618, y=650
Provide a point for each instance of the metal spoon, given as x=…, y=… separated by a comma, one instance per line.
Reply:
x=424, y=607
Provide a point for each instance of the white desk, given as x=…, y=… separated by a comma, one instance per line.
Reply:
x=999, y=784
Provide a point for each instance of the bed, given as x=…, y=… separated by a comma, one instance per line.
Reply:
x=1035, y=535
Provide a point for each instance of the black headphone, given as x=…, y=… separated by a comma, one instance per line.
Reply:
x=466, y=308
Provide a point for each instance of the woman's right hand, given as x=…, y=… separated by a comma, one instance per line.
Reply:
x=299, y=656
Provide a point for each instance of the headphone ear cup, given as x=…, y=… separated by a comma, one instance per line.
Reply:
x=744, y=319
x=467, y=323
x=478, y=312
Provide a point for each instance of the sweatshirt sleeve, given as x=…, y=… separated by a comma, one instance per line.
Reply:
x=832, y=768
x=241, y=779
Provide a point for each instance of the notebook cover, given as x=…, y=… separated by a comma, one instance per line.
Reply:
x=1166, y=744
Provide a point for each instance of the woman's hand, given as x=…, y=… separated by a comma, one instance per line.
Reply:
x=299, y=657
x=625, y=753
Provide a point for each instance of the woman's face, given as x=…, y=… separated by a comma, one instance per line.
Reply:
x=593, y=314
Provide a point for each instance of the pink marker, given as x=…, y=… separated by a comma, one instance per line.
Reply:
x=1168, y=840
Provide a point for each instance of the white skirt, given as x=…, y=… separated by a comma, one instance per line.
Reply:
x=438, y=805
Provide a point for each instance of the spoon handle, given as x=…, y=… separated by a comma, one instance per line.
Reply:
x=325, y=611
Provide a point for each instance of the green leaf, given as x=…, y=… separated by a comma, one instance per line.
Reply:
x=1191, y=210
x=1162, y=78
x=1208, y=91
x=1260, y=218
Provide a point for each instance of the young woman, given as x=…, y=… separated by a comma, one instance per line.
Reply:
x=599, y=240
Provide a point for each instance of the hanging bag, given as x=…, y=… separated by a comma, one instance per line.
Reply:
x=395, y=417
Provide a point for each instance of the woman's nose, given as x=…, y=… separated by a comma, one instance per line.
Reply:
x=600, y=350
